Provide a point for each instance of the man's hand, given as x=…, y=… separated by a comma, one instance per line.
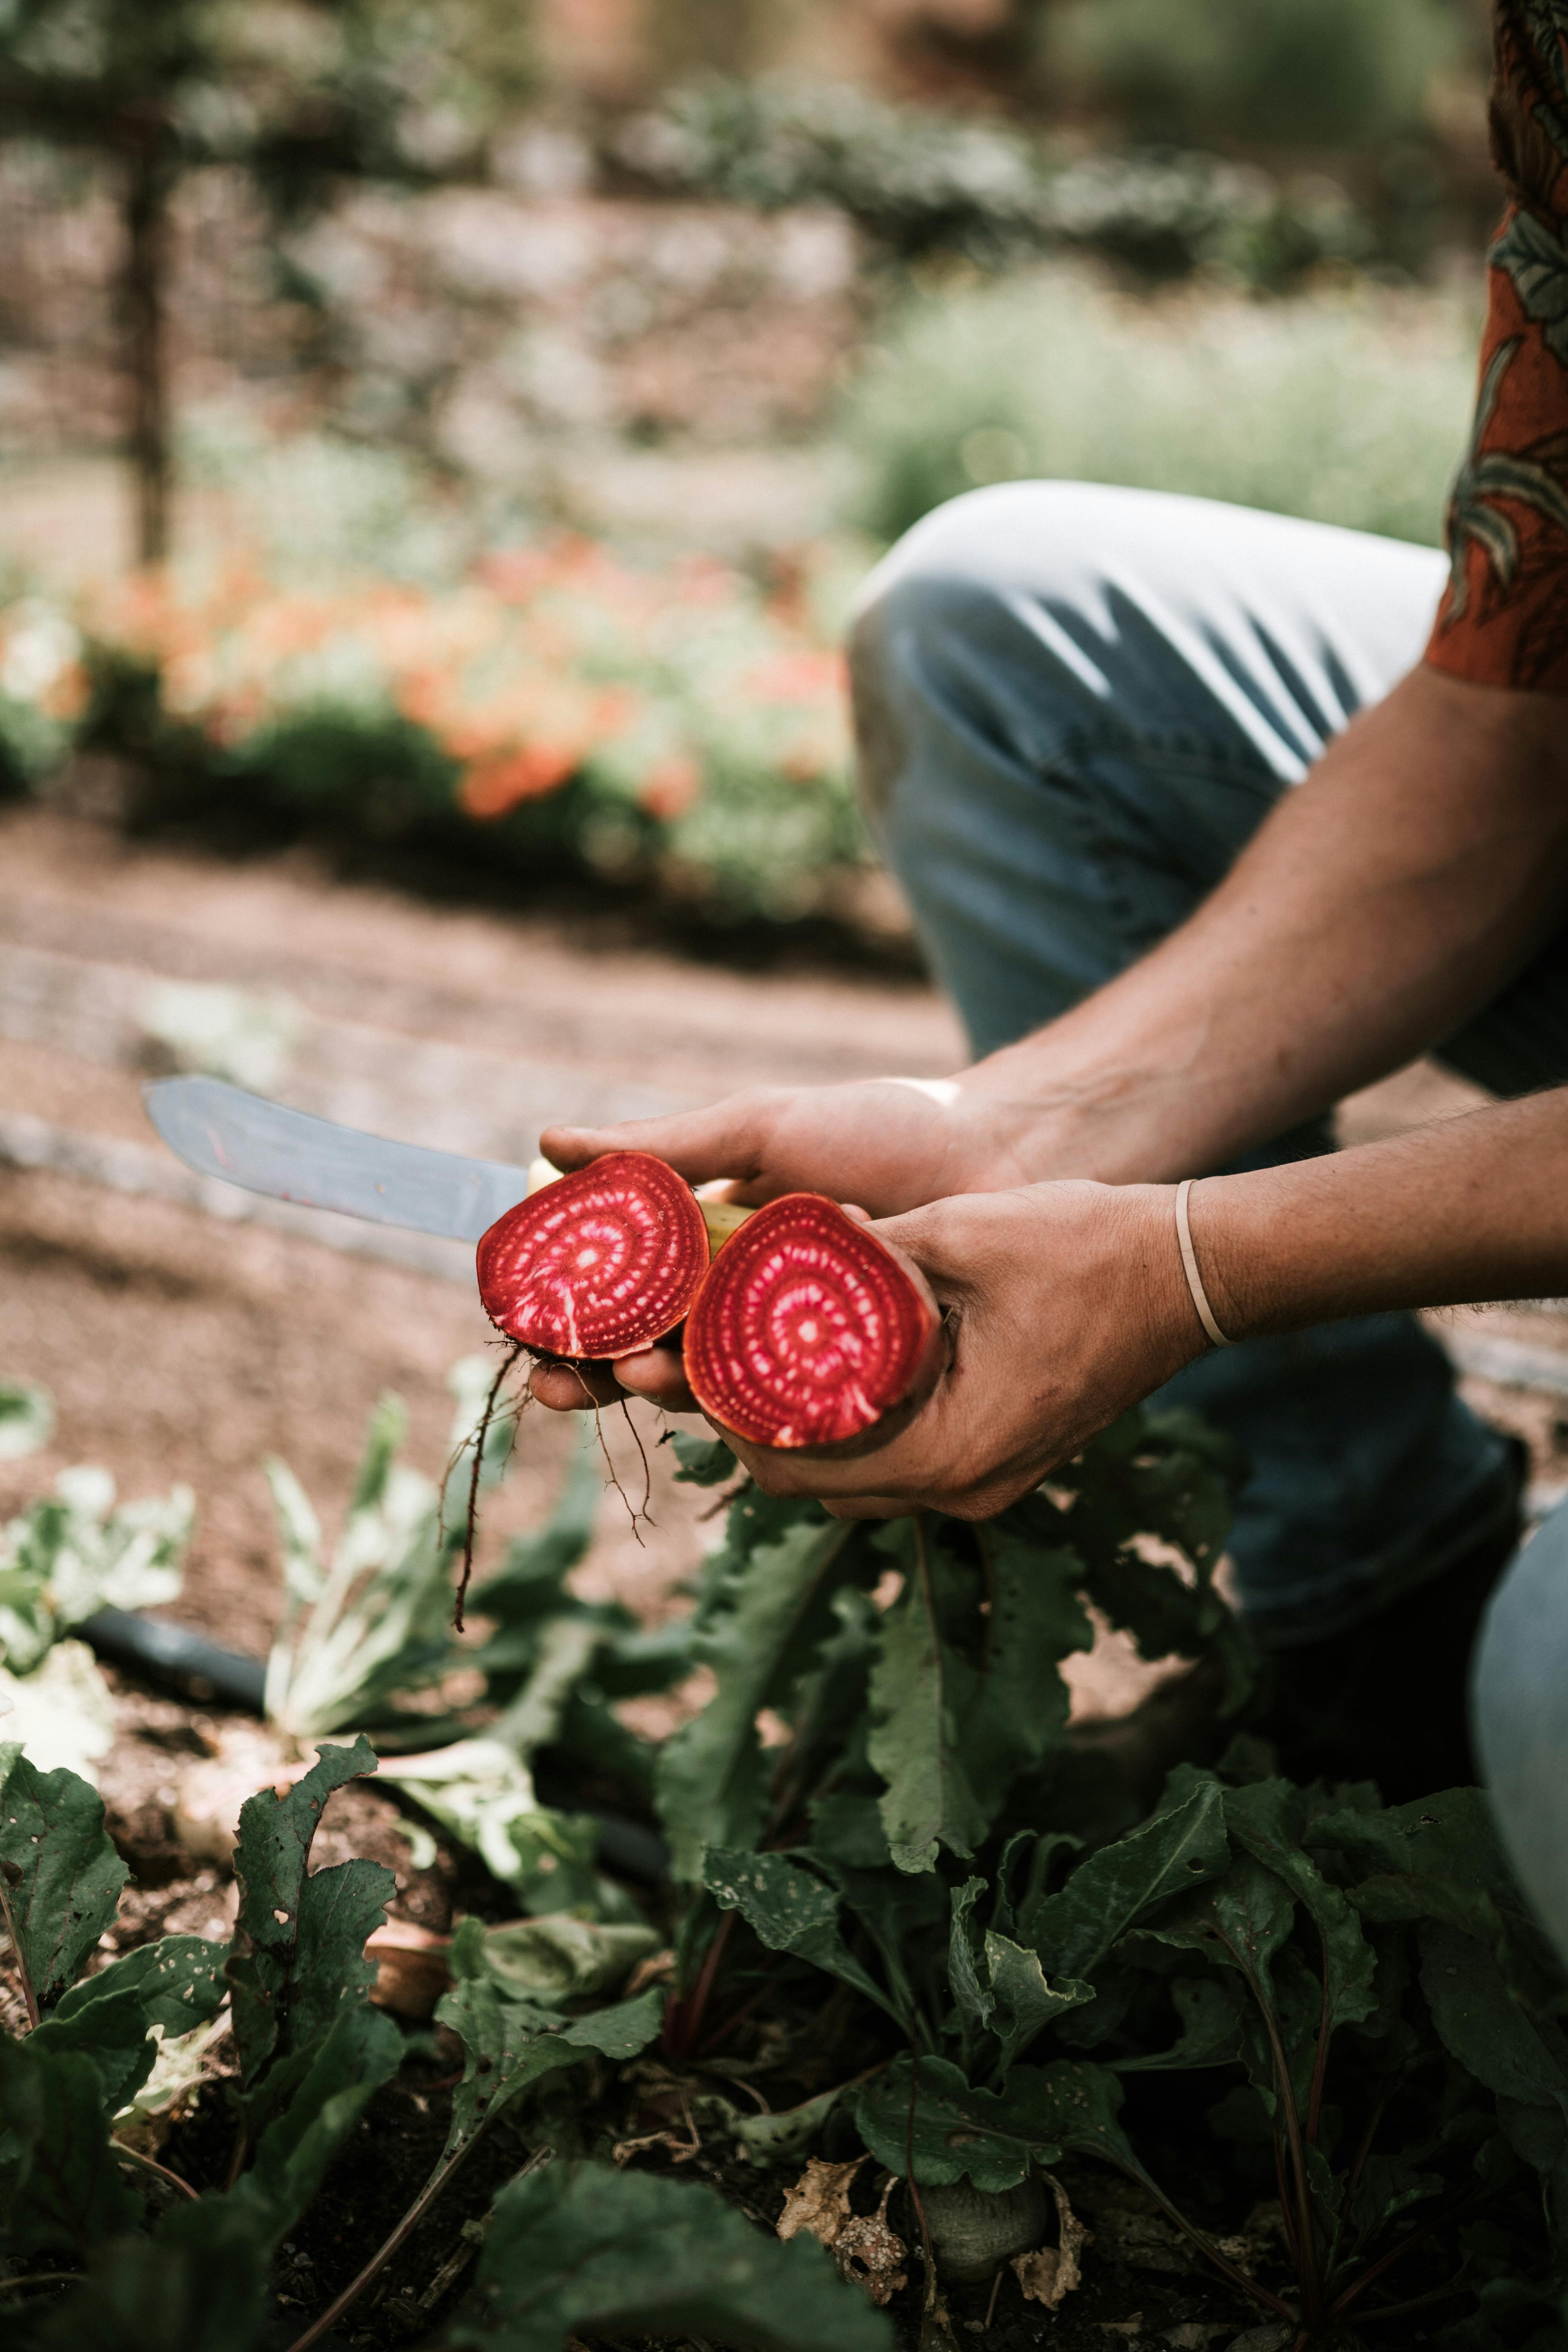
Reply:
x=885, y=1144
x=889, y=1143
x=1067, y=1303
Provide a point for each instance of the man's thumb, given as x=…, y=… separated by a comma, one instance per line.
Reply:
x=699, y=1145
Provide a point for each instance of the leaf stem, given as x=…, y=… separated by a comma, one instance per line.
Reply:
x=28, y=1995
x=150, y=2164
x=405, y=2230
x=927, y=2252
x=1358, y=2287
x=40, y=2278
x=1306, y=2266
x=683, y=2022
x=1319, y=2063
x=1232, y=2270
x=1418, y=2302
x=1287, y=2219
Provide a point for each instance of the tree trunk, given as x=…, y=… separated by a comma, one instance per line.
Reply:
x=148, y=186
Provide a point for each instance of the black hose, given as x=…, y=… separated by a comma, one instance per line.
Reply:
x=170, y=1654
x=199, y=1671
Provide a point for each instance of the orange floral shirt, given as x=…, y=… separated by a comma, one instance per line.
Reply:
x=1504, y=620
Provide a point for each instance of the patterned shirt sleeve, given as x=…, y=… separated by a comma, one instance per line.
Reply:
x=1504, y=620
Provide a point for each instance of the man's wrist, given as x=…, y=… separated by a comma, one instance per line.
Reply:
x=1113, y=1126
x=1143, y=1245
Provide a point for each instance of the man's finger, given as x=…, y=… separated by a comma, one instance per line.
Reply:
x=571, y=1388
x=657, y=1375
x=723, y=1141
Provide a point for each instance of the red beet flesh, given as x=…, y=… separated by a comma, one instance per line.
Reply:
x=808, y=1331
x=599, y=1263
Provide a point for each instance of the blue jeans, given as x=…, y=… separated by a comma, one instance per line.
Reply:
x=1520, y=1718
x=1073, y=706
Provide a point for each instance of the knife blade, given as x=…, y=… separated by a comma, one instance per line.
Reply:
x=290, y=1155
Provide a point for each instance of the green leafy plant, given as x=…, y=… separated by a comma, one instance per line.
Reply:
x=90, y=2043
x=369, y=1626
x=1368, y=1979
x=579, y=2246
x=311, y=2054
x=915, y=178
x=368, y=1629
x=926, y=1727
x=73, y=1553
x=888, y=1846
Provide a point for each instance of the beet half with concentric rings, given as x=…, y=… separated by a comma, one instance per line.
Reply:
x=809, y=1332
x=599, y=1263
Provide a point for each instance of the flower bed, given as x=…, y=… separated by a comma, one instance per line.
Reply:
x=683, y=727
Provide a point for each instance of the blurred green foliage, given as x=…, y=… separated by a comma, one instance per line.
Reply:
x=1325, y=73
x=919, y=181
x=1335, y=406
x=913, y=176
x=291, y=88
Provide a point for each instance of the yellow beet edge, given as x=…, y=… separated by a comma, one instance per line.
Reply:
x=721, y=1218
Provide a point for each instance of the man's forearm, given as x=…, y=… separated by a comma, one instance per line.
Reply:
x=1476, y=1208
x=1386, y=899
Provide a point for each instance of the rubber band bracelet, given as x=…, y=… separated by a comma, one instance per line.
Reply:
x=1190, y=1268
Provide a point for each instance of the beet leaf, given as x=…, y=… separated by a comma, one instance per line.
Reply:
x=299, y=1946
x=585, y=2248
x=61, y=1875
x=61, y=2192
x=763, y=1611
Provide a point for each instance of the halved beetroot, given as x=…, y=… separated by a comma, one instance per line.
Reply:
x=599, y=1263
x=809, y=1331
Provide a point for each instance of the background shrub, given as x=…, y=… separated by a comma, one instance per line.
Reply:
x=1328, y=73
x=1323, y=407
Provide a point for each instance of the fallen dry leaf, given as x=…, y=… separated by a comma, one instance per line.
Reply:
x=411, y=1972
x=1050, y=2275
x=1131, y=2227
x=1272, y=2337
x=1194, y=2335
x=1263, y=2228
x=1128, y=2327
x=657, y=1968
x=819, y=2201
x=206, y=1814
x=864, y=2247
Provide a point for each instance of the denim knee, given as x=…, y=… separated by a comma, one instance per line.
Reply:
x=1519, y=1716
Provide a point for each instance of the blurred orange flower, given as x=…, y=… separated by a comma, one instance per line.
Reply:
x=670, y=786
x=491, y=787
